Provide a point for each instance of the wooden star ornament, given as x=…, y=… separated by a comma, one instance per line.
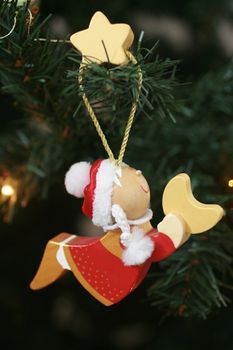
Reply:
x=103, y=41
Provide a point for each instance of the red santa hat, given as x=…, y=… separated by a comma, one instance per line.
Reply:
x=95, y=184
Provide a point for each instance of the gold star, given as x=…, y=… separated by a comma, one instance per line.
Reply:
x=103, y=41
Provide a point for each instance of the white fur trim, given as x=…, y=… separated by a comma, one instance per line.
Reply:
x=103, y=193
x=139, y=250
x=77, y=178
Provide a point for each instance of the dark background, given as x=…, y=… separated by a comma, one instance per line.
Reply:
x=64, y=316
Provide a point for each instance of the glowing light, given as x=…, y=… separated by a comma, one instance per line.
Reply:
x=230, y=183
x=7, y=190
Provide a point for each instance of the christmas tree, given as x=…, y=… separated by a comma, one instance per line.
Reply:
x=183, y=124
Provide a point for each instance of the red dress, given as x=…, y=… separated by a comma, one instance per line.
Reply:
x=99, y=268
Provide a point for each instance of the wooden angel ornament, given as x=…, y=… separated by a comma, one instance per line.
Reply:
x=117, y=199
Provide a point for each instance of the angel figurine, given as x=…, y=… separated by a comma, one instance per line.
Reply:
x=117, y=198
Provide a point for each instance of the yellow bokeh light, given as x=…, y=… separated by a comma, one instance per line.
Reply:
x=7, y=190
x=230, y=183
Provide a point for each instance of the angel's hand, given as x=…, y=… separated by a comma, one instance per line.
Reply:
x=173, y=226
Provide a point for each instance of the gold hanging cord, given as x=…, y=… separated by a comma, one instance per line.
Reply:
x=95, y=120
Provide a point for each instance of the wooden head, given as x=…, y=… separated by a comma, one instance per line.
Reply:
x=134, y=193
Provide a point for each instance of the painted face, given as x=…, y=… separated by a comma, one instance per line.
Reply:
x=134, y=193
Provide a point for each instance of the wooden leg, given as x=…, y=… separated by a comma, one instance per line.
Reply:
x=49, y=270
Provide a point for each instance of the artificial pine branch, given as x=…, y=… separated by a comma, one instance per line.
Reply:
x=194, y=280
x=33, y=73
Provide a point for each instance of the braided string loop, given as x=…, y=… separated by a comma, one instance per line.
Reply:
x=95, y=120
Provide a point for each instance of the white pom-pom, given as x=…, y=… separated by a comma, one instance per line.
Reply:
x=139, y=250
x=77, y=178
